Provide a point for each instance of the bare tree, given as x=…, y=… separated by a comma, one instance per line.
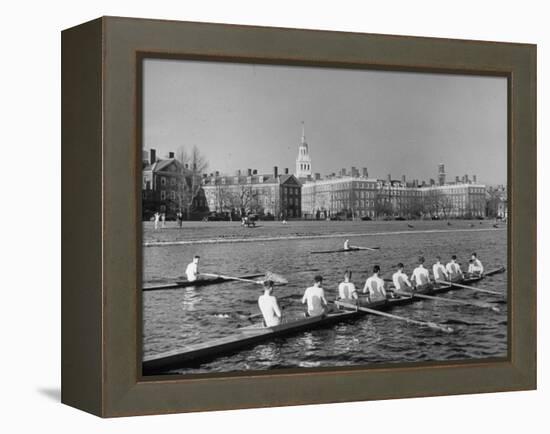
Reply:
x=446, y=205
x=194, y=165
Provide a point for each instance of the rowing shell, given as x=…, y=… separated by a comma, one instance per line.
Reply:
x=200, y=282
x=246, y=337
x=351, y=249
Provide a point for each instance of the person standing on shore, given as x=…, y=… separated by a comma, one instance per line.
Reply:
x=163, y=219
x=269, y=306
x=192, y=270
x=157, y=218
x=315, y=298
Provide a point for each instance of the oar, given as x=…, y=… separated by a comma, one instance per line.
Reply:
x=473, y=288
x=374, y=249
x=429, y=324
x=274, y=277
x=448, y=300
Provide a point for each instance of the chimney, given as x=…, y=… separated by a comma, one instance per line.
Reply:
x=254, y=172
x=389, y=177
x=354, y=171
x=275, y=171
x=432, y=182
x=317, y=176
x=286, y=170
x=170, y=155
x=423, y=183
x=457, y=179
x=343, y=172
x=475, y=179
x=403, y=179
x=365, y=172
x=249, y=172
x=152, y=156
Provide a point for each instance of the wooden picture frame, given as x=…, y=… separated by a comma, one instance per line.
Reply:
x=101, y=233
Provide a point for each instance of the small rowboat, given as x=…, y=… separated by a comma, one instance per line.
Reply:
x=351, y=249
x=247, y=337
x=200, y=282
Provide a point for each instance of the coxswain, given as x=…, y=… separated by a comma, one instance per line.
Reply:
x=314, y=296
x=453, y=270
x=269, y=306
x=421, y=276
x=476, y=267
x=400, y=279
x=346, y=289
x=440, y=273
x=192, y=270
x=374, y=286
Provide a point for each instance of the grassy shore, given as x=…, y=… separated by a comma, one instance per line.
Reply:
x=212, y=232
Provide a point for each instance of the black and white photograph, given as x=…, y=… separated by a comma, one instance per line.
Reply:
x=307, y=217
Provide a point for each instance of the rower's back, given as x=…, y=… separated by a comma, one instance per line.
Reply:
x=270, y=310
x=314, y=296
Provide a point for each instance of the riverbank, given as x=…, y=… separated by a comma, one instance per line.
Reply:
x=224, y=232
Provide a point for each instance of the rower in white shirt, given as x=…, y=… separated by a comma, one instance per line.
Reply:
x=346, y=245
x=346, y=289
x=374, y=286
x=315, y=298
x=400, y=279
x=476, y=267
x=453, y=270
x=440, y=273
x=269, y=306
x=192, y=270
x=421, y=276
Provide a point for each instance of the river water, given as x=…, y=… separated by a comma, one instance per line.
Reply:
x=179, y=317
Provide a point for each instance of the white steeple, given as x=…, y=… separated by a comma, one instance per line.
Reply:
x=303, y=161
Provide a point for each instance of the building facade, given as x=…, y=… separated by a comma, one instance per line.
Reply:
x=347, y=196
x=168, y=187
x=271, y=195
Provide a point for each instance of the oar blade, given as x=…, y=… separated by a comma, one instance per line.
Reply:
x=275, y=278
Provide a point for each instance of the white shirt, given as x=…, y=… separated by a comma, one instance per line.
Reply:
x=400, y=280
x=192, y=271
x=270, y=310
x=454, y=270
x=375, y=287
x=421, y=275
x=315, y=297
x=439, y=272
x=346, y=245
x=476, y=267
x=346, y=290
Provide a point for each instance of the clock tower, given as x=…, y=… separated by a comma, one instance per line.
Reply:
x=303, y=161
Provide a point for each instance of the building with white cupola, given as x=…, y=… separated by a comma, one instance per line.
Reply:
x=303, y=161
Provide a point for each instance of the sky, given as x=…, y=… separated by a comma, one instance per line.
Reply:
x=400, y=123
